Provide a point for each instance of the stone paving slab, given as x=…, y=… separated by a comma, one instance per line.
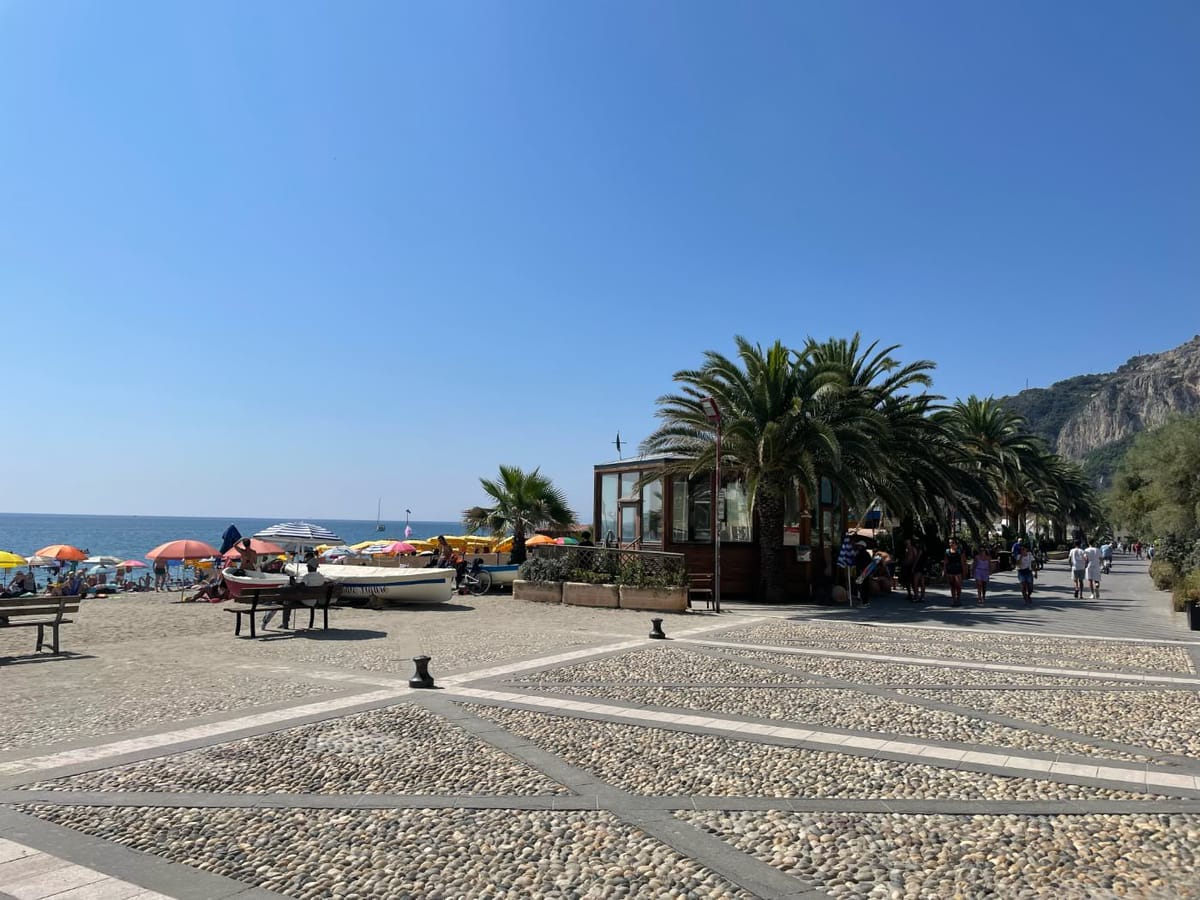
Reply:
x=650, y=791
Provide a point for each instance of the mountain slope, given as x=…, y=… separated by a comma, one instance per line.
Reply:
x=1084, y=417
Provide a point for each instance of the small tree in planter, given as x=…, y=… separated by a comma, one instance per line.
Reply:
x=523, y=501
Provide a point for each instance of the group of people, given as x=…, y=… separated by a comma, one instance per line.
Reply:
x=958, y=563
x=1089, y=562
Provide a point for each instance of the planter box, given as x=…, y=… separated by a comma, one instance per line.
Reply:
x=656, y=599
x=575, y=593
x=1058, y=554
x=538, y=591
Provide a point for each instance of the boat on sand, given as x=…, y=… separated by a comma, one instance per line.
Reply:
x=503, y=575
x=381, y=584
x=251, y=580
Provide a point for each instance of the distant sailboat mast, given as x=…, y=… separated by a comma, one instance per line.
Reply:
x=379, y=526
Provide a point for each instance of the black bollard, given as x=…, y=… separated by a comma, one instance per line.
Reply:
x=656, y=631
x=422, y=678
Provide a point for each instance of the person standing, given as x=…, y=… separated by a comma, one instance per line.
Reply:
x=981, y=569
x=907, y=565
x=160, y=574
x=1024, y=562
x=1078, y=562
x=956, y=566
x=862, y=562
x=1094, y=563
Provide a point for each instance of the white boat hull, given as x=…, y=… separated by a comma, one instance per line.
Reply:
x=503, y=575
x=391, y=585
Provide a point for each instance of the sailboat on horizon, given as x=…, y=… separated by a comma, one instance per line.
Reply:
x=379, y=526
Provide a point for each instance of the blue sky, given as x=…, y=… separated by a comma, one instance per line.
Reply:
x=283, y=258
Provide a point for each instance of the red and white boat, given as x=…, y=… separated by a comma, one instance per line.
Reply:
x=249, y=581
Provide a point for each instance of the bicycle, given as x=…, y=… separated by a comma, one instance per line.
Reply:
x=477, y=580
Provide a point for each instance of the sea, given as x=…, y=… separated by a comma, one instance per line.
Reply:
x=132, y=537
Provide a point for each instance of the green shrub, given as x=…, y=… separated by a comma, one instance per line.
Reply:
x=544, y=568
x=1163, y=574
x=1187, y=588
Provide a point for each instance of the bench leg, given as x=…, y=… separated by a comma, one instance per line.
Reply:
x=41, y=638
x=237, y=629
x=251, y=614
x=55, y=627
x=312, y=617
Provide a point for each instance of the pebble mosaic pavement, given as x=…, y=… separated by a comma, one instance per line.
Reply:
x=797, y=753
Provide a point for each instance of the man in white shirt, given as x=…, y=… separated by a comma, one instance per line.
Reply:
x=1094, y=562
x=1078, y=561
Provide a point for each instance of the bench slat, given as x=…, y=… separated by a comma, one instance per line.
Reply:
x=37, y=600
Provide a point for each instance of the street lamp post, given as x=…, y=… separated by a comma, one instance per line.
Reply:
x=713, y=413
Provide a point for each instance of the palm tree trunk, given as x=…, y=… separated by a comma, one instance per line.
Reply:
x=770, y=507
x=518, y=551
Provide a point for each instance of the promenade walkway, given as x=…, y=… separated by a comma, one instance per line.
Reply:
x=807, y=752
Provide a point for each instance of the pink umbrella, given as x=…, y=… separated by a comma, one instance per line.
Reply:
x=183, y=549
x=258, y=546
x=132, y=564
x=394, y=547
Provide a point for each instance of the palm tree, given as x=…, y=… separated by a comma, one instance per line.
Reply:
x=776, y=414
x=523, y=501
x=1001, y=451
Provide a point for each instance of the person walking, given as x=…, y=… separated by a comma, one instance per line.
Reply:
x=1094, y=564
x=1024, y=562
x=1078, y=562
x=907, y=565
x=956, y=566
x=981, y=569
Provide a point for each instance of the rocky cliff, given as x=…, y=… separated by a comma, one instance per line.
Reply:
x=1082, y=415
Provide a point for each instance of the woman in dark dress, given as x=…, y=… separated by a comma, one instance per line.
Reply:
x=956, y=567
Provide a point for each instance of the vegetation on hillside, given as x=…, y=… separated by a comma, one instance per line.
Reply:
x=1157, y=497
x=1046, y=410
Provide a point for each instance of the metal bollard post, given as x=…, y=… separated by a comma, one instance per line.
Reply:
x=422, y=678
x=656, y=631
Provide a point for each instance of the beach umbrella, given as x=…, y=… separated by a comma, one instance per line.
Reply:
x=336, y=552
x=566, y=540
x=98, y=570
x=298, y=534
x=132, y=564
x=102, y=560
x=11, y=560
x=539, y=540
x=62, y=553
x=229, y=537
x=182, y=550
x=389, y=548
x=505, y=545
x=36, y=560
x=265, y=548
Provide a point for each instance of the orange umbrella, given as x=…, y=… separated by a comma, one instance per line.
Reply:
x=261, y=547
x=63, y=552
x=184, y=549
x=538, y=540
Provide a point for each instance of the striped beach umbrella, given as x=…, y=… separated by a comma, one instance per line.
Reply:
x=298, y=534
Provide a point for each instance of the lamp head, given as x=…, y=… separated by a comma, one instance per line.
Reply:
x=711, y=410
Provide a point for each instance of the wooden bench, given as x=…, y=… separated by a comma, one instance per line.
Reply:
x=284, y=600
x=700, y=586
x=41, y=612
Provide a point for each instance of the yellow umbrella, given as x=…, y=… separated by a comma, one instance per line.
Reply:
x=422, y=545
x=11, y=560
x=362, y=544
x=505, y=546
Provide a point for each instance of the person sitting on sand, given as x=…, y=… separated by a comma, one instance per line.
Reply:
x=16, y=587
x=213, y=590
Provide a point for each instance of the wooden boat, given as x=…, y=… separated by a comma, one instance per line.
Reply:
x=503, y=575
x=249, y=581
x=391, y=585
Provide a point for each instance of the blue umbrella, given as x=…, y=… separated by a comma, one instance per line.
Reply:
x=229, y=538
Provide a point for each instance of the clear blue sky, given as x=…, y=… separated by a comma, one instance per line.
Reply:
x=282, y=258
